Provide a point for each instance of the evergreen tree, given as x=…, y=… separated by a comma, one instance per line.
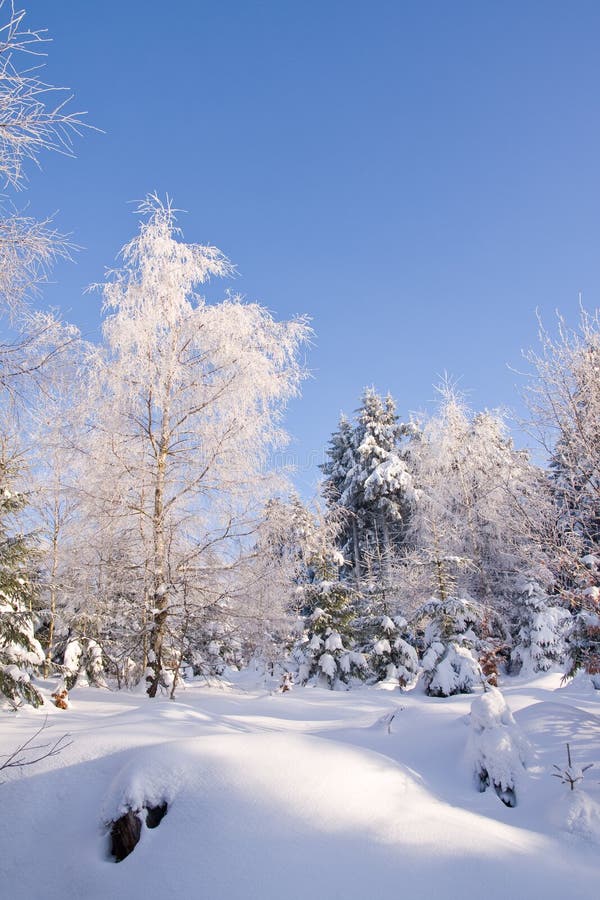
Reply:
x=367, y=477
x=325, y=651
x=390, y=653
x=20, y=652
x=583, y=630
x=583, y=646
x=540, y=631
x=340, y=491
x=449, y=666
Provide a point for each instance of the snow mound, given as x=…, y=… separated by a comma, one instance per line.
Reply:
x=583, y=816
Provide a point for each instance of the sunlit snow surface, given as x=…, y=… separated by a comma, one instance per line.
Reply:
x=305, y=794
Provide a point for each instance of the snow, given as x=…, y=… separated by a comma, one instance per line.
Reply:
x=300, y=794
x=72, y=657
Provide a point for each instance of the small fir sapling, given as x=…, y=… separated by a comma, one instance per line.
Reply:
x=570, y=775
x=496, y=746
x=61, y=698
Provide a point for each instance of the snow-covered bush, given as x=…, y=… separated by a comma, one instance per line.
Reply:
x=216, y=647
x=82, y=663
x=449, y=666
x=540, y=637
x=450, y=669
x=497, y=749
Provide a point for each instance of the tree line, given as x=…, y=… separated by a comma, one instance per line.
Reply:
x=145, y=537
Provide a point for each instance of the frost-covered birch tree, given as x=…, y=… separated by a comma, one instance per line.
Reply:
x=477, y=499
x=186, y=400
x=564, y=400
x=34, y=118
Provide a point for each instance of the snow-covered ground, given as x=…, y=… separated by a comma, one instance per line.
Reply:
x=308, y=794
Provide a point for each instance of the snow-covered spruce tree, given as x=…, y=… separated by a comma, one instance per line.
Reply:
x=583, y=628
x=326, y=652
x=583, y=646
x=366, y=475
x=186, y=399
x=382, y=481
x=390, y=654
x=294, y=551
x=299, y=551
x=540, y=631
x=450, y=637
x=341, y=460
x=20, y=652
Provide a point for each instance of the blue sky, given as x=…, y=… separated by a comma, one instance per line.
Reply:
x=418, y=177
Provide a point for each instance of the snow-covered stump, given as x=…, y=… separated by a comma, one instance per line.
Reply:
x=496, y=747
x=125, y=831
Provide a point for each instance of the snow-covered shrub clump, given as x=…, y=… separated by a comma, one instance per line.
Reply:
x=540, y=639
x=496, y=747
x=449, y=666
x=216, y=648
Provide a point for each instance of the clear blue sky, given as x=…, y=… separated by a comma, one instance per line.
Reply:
x=418, y=177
